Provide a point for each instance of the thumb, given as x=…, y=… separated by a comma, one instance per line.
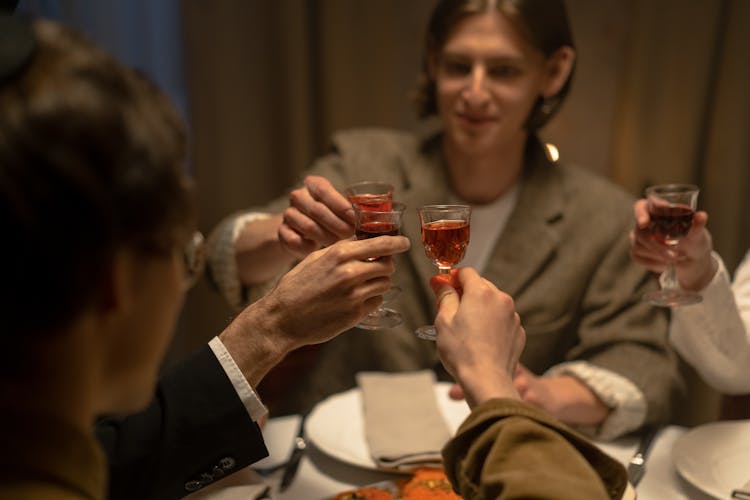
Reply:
x=446, y=299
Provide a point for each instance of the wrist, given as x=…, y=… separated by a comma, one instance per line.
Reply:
x=254, y=342
x=482, y=385
x=705, y=271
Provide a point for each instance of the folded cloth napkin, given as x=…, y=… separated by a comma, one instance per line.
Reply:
x=742, y=493
x=403, y=425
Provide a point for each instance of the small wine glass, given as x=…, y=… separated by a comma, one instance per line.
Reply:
x=369, y=224
x=370, y=195
x=445, y=236
x=671, y=208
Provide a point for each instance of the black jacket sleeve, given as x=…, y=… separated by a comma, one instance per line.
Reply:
x=195, y=431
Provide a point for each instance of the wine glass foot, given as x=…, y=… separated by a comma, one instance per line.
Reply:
x=672, y=298
x=380, y=320
x=426, y=332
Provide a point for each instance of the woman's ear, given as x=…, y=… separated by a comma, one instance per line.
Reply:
x=116, y=294
x=558, y=68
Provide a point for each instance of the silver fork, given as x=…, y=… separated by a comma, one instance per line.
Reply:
x=637, y=464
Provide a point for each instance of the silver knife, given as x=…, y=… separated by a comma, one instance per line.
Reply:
x=293, y=464
x=637, y=464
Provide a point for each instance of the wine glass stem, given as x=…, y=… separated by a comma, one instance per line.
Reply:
x=670, y=277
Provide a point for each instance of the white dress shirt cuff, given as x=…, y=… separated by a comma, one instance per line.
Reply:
x=626, y=400
x=255, y=407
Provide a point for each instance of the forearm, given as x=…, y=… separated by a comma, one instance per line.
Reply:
x=507, y=449
x=576, y=403
x=254, y=342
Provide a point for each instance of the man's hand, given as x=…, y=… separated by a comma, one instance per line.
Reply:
x=694, y=264
x=565, y=397
x=328, y=292
x=480, y=336
x=317, y=216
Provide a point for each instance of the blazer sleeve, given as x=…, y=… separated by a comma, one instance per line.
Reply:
x=507, y=449
x=195, y=431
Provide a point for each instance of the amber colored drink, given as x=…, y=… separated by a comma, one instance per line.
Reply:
x=445, y=241
x=670, y=223
x=373, y=229
x=372, y=202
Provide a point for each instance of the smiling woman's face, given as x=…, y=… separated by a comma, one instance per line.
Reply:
x=487, y=80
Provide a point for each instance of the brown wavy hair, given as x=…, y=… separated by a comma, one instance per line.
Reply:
x=543, y=23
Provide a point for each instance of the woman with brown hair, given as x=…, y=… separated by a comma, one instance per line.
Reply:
x=551, y=235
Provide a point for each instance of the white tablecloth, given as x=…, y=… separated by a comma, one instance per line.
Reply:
x=321, y=477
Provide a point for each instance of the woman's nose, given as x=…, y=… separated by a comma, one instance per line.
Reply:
x=476, y=92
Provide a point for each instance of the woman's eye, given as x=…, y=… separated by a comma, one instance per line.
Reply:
x=456, y=68
x=503, y=71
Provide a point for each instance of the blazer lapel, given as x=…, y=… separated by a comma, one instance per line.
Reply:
x=530, y=236
x=427, y=186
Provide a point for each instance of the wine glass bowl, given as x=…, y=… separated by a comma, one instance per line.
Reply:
x=671, y=208
x=445, y=236
x=370, y=195
x=371, y=223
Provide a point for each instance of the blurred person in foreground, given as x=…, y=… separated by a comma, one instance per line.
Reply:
x=712, y=335
x=98, y=215
x=507, y=448
x=553, y=235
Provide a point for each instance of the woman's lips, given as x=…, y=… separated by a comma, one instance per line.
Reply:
x=475, y=120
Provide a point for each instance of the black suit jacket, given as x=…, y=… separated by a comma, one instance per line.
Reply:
x=194, y=432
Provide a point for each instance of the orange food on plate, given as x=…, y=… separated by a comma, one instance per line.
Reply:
x=365, y=494
x=428, y=484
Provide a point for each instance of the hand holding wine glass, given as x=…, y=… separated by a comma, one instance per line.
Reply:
x=445, y=236
x=695, y=265
x=370, y=223
x=317, y=216
x=671, y=208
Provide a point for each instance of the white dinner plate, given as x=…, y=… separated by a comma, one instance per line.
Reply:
x=336, y=424
x=715, y=457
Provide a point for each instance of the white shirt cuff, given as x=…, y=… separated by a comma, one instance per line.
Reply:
x=626, y=400
x=255, y=407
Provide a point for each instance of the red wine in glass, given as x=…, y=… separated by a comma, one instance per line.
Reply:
x=370, y=224
x=378, y=228
x=445, y=236
x=445, y=241
x=372, y=202
x=375, y=196
x=670, y=223
x=671, y=208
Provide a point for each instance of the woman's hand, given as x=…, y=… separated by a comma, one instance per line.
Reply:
x=693, y=261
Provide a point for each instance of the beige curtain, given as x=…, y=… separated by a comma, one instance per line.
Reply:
x=660, y=95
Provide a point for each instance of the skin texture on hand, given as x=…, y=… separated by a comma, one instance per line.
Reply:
x=480, y=336
x=318, y=215
x=480, y=339
x=565, y=397
x=330, y=291
x=694, y=264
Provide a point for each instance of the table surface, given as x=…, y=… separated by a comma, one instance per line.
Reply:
x=321, y=476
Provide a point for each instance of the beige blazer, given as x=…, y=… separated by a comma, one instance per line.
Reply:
x=563, y=256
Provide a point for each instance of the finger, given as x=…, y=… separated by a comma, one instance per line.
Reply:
x=700, y=219
x=294, y=242
x=323, y=191
x=307, y=227
x=375, y=247
x=320, y=213
x=640, y=211
x=446, y=300
x=456, y=392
